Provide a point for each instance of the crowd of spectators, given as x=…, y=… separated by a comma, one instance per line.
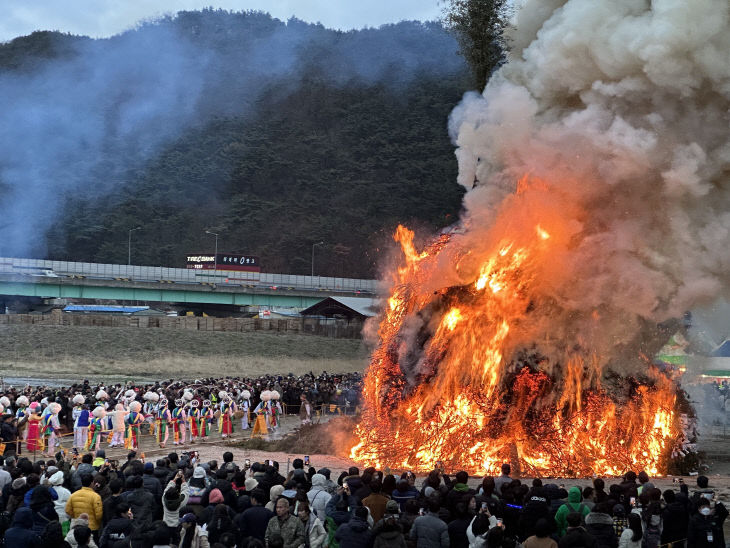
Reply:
x=180, y=501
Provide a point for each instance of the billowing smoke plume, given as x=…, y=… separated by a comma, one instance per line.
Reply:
x=87, y=119
x=615, y=117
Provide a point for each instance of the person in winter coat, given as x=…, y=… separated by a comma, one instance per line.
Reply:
x=355, y=533
x=174, y=498
x=193, y=535
x=150, y=482
x=459, y=525
x=541, y=538
x=81, y=521
x=430, y=531
x=140, y=501
x=20, y=533
x=318, y=496
x=705, y=526
x=56, y=481
x=52, y=537
x=403, y=493
x=536, y=508
x=631, y=536
x=573, y=505
x=283, y=523
x=388, y=532
x=376, y=501
x=313, y=527
x=274, y=495
x=220, y=524
x=119, y=529
x=479, y=528
x=43, y=510
x=253, y=521
x=84, y=468
x=599, y=525
x=675, y=519
x=576, y=536
x=86, y=501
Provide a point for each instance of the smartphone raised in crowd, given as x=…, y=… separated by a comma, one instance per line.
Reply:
x=306, y=460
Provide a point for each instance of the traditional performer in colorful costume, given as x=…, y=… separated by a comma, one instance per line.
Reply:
x=194, y=420
x=118, y=425
x=163, y=422
x=246, y=408
x=135, y=419
x=227, y=408
x=149, y=410
x=206, y=417
x=275, y=410
x=261, y=426
x=178, y=422
x=50, y=428
x=96, y=429
x=33, y=434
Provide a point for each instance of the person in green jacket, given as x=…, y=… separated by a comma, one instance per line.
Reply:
x=574, y=504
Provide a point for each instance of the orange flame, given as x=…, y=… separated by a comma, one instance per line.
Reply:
x=469, y=398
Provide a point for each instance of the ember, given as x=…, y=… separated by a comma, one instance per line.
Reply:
x=455, y=379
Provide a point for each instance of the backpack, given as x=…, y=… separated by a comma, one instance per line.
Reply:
x=195, y=494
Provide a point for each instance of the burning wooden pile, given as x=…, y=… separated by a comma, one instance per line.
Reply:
x=454, y=379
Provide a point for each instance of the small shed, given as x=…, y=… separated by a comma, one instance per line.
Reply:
x=350, y=308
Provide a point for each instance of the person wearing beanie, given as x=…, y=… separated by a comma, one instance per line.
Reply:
x=250, y=484
x=388, y=532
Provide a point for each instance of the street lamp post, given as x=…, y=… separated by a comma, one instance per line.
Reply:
x=215, y=256
x=313, y=246
x=129, y=245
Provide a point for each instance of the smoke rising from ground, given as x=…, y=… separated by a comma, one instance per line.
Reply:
x=88, y=119
x=619, y=111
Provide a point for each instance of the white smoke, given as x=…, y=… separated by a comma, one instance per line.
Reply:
x=622, y=108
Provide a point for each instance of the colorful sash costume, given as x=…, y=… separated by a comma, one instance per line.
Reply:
x=178, y=424
x=163, y=419
x=206, y=417
x=134, y=423
x=96, y=427
x=225, y=425
x=194, y=420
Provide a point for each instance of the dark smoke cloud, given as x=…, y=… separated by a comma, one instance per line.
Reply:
x=80, y=125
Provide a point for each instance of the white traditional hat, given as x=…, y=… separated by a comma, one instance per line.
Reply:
x=99, y=412
x=5, y=401
x=246, y=395
x=130, y=394
x=21, y=401
x=265, y=395
x=101, y=395
x=79, y=399
x=135, y=406
x=275, y=395
x=187, y=395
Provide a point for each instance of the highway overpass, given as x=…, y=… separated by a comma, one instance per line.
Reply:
x=95, y=281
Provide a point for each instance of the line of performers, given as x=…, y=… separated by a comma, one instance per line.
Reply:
x=189, y=420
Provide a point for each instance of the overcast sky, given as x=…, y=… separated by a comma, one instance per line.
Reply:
x=99, y=18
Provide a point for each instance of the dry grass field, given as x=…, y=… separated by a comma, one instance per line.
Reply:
x=72, y=353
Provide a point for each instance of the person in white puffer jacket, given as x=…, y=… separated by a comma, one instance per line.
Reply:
x=56, y=481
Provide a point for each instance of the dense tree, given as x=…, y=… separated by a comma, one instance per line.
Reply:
x=341, y=148
x=479, y=27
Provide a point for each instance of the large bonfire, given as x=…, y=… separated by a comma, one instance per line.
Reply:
x=596, y=170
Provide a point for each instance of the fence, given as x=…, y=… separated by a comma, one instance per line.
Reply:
x=334, y=328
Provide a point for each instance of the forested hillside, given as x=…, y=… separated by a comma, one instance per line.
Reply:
x=336, y=138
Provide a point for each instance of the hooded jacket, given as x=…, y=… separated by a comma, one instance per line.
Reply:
x=573, y=505
x=600, y=526
x=353, y=534
x=20, y=535
x=318, y=496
